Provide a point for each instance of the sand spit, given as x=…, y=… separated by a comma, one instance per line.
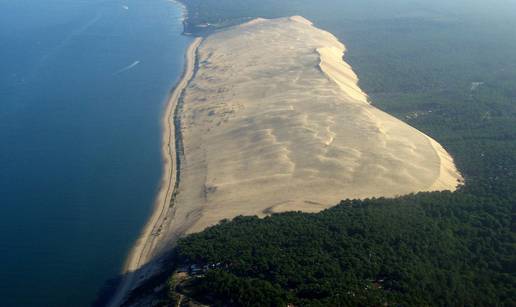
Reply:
x=274, y=120
x=144, y=249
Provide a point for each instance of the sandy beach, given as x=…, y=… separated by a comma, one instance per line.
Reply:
x=144, y=249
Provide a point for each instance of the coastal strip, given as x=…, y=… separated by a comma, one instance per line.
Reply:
x=141, y=256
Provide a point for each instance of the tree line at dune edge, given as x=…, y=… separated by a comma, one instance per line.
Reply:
x=438, y=248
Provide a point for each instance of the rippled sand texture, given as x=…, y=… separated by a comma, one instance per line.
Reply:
x=274, y=121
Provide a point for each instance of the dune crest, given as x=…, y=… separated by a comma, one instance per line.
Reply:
x=301, y=19
x=274, y=120
x=339, y=71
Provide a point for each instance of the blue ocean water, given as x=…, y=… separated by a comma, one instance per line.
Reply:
x=83, y=84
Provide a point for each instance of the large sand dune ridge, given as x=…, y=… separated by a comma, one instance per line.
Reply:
x=274, y=120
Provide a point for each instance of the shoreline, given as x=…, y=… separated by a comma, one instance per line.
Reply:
x=143, y=250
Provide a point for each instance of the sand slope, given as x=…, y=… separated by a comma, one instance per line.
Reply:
x=274, y=120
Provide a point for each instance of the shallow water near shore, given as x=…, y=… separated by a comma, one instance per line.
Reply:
x=82, y=89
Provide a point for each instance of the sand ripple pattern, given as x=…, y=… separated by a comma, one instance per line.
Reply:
x=274, y=121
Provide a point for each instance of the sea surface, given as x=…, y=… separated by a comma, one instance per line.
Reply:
x=83, y=84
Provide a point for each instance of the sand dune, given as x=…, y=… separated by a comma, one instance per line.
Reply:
x=274, y=120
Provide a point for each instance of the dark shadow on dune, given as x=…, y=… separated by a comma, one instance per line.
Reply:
x=151, y=291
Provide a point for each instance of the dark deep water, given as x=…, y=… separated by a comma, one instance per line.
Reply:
x=82, y=88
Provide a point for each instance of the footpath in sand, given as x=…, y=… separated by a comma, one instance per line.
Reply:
x=274, y=120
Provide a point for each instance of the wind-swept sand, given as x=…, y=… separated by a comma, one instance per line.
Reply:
x=144, y=249
x=274, y=121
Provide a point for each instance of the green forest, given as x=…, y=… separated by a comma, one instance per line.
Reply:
x=448, y=70
x=426, y=249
